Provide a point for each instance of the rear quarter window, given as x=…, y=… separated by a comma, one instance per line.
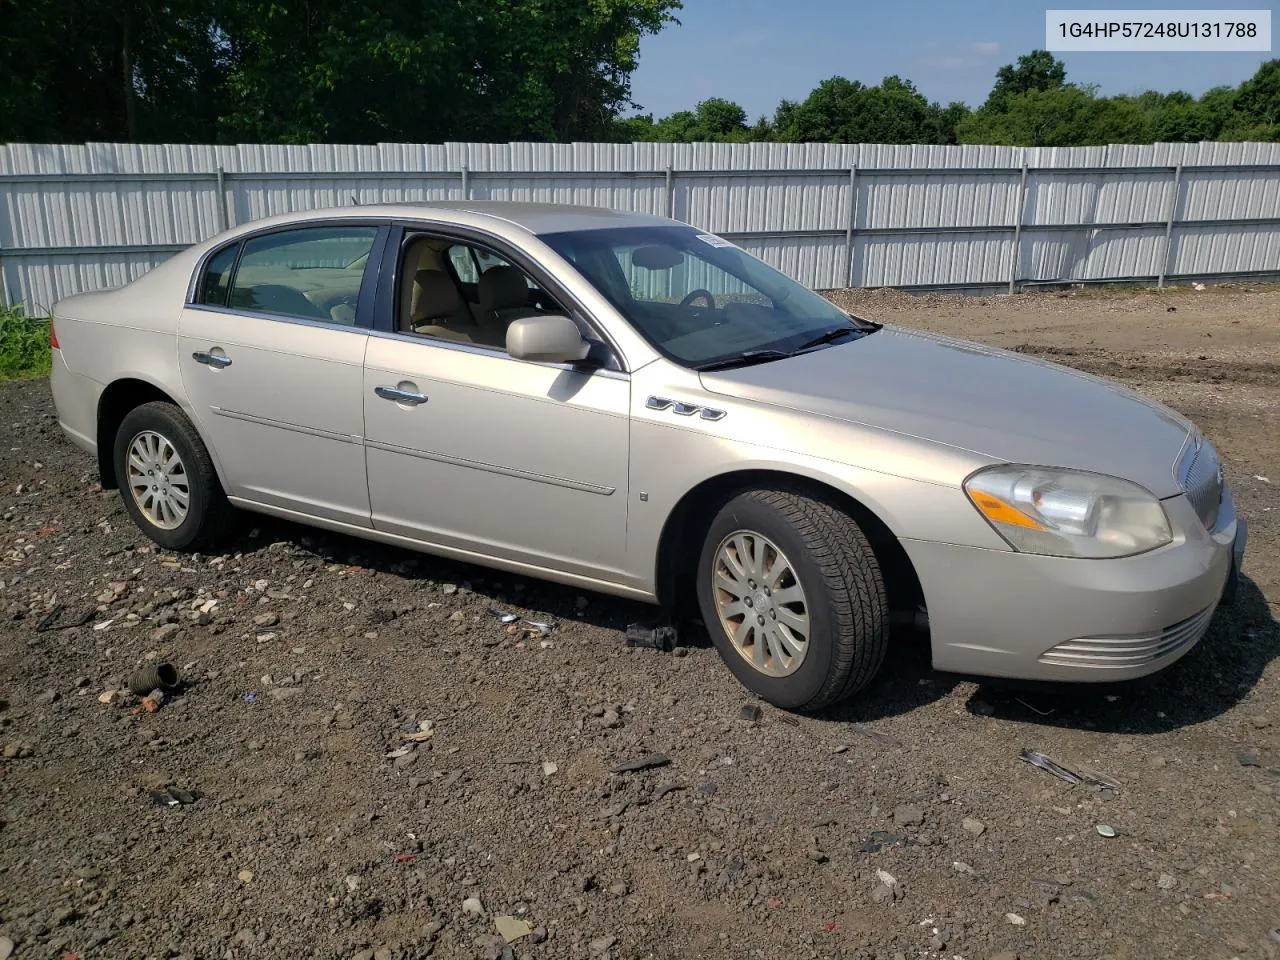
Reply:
x=217, y=277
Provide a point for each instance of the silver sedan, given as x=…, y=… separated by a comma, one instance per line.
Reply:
x=626, y=404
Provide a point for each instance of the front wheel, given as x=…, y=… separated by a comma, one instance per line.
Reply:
x=167, y=478
x=793, y=597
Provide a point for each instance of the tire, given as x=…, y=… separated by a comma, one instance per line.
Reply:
x=163, y=428
x=839, y=579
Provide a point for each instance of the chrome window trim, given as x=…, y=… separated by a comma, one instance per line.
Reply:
x=497, y=352
x=279, y=318
x=357, y=220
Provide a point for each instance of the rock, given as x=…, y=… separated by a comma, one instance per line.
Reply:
x=164, y=632
x=1249, y=758
x=600, y=945
x=611, y=719
x=975, y=827
x=817, y=856
x=382, y=953
x=906, y=815
x=511, y=929
x=62, y=915
x=285, y=693
x=619, y=889
x=539, y=935
x=882, y=893
x=959, y=866
x=6, y=948
x=472, y=907
x=548, y=768
x=245, y=876
x=1167, y=881
x=268, y=619
x=1016, y=920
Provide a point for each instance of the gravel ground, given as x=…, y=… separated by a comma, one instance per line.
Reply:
x=379, y=768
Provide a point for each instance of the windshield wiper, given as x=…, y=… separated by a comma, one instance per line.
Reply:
x=830, y=336
x=743, y=360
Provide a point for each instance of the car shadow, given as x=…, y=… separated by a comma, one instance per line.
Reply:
x=1218, y=673
x=496, y=589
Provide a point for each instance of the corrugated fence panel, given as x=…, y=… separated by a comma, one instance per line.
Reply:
x=87, y=216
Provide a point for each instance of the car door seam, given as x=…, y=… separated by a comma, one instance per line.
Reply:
x=580, y=485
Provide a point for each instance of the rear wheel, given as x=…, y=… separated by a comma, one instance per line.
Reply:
x=793, y=597
x=167, y=479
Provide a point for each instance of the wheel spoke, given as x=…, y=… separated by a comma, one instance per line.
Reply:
x=777, y=650
x=735, y=609
x=788, y=642
x=732, y=558
x=179, y=497
x=796, y=622
x=788, y=595
x=775, y=571
x=730, y=585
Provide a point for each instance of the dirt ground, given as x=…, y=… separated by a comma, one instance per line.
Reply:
x=314, y=661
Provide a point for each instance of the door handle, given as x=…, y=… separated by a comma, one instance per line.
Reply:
x=400, y=396
x=217, y=360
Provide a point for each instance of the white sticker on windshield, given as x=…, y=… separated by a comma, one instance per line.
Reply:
x=712, y=240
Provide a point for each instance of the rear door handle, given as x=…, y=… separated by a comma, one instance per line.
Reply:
x=400, y=396
x=218, y=360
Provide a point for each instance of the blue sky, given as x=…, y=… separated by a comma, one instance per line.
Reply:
x=757, y=52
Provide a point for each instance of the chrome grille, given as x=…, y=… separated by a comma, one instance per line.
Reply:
x=1130, y=651
x=1200, y=476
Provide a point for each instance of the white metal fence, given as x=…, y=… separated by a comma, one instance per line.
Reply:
x=84, y=217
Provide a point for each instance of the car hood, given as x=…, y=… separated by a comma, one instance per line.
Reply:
x=999, y=404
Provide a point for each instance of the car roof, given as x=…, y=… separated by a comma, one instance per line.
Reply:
x=537, y=218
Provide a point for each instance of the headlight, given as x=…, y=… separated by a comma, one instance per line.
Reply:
x=1068, y=513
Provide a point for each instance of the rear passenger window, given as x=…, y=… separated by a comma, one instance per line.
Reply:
x=313, y=273
x=217, y=277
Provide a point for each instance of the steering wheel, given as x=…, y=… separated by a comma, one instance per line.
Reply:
x=693, y=295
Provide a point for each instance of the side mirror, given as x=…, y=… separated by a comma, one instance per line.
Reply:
x=548, y=339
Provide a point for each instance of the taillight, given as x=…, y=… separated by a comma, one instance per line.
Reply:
x=53, y=336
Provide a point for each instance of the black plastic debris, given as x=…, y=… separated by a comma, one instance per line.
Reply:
x=880, y=839
x=53, y=619
x=173, y=797
x=1082, y=775
x=1049, y=766
x=662, y=637
x=752, y=712
x=649, y=762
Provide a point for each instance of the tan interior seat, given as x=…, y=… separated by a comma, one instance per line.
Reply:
x=438, y=309
x=504, y=296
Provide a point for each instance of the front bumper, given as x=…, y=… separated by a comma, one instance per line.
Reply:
x=999, y=613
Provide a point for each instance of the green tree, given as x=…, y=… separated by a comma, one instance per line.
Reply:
x=1037, y=70
x=712, y=120
x=1258, y=100
x=1067, y=116
x=325, y=70
x=846, y=111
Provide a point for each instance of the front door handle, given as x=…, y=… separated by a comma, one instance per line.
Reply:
x=400, y=396
x=216, y=360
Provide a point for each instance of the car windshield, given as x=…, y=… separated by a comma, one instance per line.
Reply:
x=701, y=300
